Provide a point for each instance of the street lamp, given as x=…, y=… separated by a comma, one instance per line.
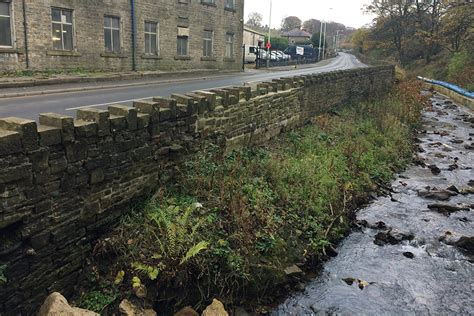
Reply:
x=269, y=35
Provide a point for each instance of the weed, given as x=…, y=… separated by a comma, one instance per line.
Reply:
x=97, y=300
x=3, y=270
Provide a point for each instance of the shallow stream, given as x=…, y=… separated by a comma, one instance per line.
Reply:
x=413, y=252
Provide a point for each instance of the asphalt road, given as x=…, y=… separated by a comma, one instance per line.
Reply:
x=68, y=102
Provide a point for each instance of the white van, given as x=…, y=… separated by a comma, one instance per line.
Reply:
x=250, y=54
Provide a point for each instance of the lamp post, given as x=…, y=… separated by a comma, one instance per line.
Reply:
x=320, y=39
x=269, y=35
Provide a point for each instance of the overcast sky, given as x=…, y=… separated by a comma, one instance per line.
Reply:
x=347, y=12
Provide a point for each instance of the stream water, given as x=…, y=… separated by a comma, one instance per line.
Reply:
x=413, y=252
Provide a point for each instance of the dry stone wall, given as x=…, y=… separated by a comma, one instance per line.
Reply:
x=64, y=182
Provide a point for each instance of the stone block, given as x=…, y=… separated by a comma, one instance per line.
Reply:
x=118, y=123
x=76, y=151
x=211, y=99
x=167, y=103
x=143, y=120
x=85, y=129
x=63, y=122
x=15, y=173
x=26, y=128
x=49, y=135
x=130, y=114
x=39, y=159
x=10, y=142
x=148, y=107
x=101, y=117
x=191, y=104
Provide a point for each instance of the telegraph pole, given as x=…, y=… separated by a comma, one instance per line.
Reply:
x=320, y=38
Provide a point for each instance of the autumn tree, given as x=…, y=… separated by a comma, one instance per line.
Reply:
x=290, y=23
x=312, y=26
x=457, y=28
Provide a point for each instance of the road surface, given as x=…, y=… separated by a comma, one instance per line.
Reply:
x=67, y=102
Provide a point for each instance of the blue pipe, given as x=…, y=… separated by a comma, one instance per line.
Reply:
x=450, y=86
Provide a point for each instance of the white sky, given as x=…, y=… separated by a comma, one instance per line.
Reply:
x=347, y=12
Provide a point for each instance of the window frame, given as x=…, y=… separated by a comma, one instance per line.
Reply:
x=206, y=40
x=157, y=40
x=12, y=25
x=177, y=46
x=232, y=44
x=111, y=28
x=226, y=6
x=61, y=23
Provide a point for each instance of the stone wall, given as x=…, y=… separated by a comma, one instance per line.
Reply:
x=88, y=35
x=64, y=181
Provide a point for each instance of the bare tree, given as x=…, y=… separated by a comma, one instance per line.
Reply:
x=254, y=20
x=457, y=27
x=312, y=26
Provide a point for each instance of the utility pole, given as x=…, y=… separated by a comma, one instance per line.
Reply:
x=324, y=40
x=269, y=35
x=320, y=39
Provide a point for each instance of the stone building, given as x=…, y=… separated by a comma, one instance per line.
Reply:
x=120, y=35
x=297, y=36
x=253, y=38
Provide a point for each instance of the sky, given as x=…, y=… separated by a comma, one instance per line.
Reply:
x=347, y=12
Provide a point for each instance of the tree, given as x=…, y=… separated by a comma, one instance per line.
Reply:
x=458, y=27
x=254, y=20
x=278, y=43
x=315, y=40
x=312, y=26
x=290, y=23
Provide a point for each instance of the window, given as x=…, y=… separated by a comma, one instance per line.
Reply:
x=182, y=41
x=230, y=4
x=5, y=24
x=207, y=43
x=229, y=45
x=151, y=38
x=112, y=34
x=182, y=46
x=62, y=28
x=208, y=1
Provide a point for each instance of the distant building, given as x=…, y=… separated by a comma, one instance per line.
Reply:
x=296, y=36
x=110, y=35
x=253, y=38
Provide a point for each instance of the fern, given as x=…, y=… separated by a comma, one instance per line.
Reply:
x=151, y=272
x=196, y=249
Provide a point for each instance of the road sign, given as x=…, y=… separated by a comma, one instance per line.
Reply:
x=269, y=45
x=299, y=50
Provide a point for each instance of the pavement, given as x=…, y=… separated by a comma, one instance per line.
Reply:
x=29, y=102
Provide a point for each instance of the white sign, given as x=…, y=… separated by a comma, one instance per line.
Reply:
x=299, y=50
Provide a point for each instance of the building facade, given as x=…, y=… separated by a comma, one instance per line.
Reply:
x=120, y=35
x=297, y=36
x=253, y=38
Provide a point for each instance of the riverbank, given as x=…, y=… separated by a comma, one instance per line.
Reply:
x=241, y=227
x=413, y=251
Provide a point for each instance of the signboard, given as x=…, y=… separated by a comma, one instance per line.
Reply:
x=299, y=50
x=269, y=45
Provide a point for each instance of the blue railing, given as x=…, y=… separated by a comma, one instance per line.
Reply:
x=450, y=86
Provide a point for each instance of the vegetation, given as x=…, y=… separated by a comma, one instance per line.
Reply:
x=233, y=223
x=3, y=278
x=429, y=38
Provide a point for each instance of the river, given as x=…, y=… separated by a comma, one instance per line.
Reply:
x=412, y=252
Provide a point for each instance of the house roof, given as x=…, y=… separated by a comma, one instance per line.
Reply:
x=253, y=31
x=296, y=33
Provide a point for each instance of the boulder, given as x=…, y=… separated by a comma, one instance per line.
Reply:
x=293, y=270
x=187, y=311
x=215, y=309
x=56, y=304
x=127, y=308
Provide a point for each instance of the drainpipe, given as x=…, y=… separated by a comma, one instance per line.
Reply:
x=25, y=31
x=134, y=37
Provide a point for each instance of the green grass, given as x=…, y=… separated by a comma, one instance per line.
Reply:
x=232, y=223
